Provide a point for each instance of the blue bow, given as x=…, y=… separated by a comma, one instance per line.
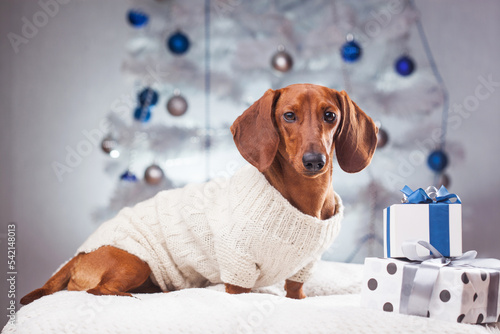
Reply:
x=421, y=196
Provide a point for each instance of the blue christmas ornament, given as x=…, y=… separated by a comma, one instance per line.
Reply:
x=128, y=176
x=137, y=18
x=404, y=65
x=178, y=43
x=142, y=114
x=437, y=161
x=350, y=51
x=148, y=97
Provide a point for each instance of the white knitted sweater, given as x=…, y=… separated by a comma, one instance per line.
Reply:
x=240, y=231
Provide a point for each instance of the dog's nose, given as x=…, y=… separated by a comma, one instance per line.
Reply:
x=314, y=162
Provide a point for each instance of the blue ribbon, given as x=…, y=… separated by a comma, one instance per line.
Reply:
x=431, y=196
x=438, y=201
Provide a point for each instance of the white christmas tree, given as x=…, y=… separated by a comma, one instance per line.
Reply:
x=223, y=55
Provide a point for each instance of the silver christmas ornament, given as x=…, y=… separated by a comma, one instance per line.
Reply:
x=153, y=175
x=177, y=104
x=109, y=145
x=282, y=61
x=382, y=137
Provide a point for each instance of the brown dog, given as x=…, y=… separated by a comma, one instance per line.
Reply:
x=289, y=135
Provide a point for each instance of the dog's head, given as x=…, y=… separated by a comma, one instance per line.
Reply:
x=304, y=124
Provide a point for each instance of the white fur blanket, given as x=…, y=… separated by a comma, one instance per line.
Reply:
x=333, y=306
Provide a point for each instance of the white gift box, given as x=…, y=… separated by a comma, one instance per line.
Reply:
x=459, y=294
x=437, y=223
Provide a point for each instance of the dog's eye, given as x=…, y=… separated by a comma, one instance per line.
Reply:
x=329, y=117
x=289, y=117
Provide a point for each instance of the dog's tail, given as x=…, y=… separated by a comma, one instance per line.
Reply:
x=56, y=283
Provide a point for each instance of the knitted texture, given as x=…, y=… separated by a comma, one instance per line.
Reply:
x=240, y=231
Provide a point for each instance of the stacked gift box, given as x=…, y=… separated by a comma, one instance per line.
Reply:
x=424, y=272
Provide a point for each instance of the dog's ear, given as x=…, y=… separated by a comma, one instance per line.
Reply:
x=254, y=132
x=356, y=138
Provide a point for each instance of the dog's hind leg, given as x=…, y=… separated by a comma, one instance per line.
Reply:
x=105, y=271
x=110, y=271
x=56, y=283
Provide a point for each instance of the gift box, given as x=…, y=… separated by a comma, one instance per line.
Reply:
x=464, y=291
x=432, y=215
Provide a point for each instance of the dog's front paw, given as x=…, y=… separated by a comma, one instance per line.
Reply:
x=296, y=294
x=234, y=290
x=294, y=290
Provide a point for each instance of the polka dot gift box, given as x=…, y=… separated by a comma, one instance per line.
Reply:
x=453, y=293
x=432, y=215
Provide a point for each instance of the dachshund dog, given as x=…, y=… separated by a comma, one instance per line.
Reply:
x=289, y=135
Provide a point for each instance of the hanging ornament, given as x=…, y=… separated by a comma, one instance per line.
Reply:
x=148, y=97
x=282, y=61
x=350, y=51
x=109, y=145
x=153, y=175
x=128, y=176
x=178, y=43
x=382, y=138
x=445, y=180
x=404, y=65
x=137, y=18
x=142, y=114
x=177, y=104
x=437, y=161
